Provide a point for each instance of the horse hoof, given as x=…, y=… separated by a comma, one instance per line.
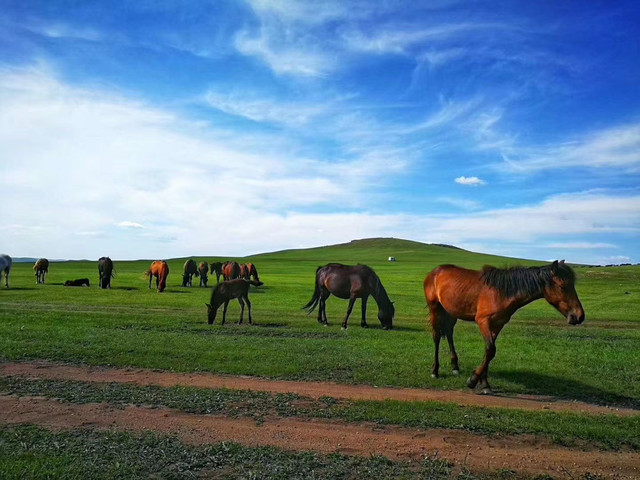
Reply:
x=455, y=372
x=472, y=382
x=434, y=375
x=487, y=391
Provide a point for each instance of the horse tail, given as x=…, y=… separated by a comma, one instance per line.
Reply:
x=255, y=283
x=315, y=299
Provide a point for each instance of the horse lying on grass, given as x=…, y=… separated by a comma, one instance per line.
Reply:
x=226, y=291
x=80, y=282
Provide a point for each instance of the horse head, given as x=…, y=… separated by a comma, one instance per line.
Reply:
x=386, y=316
x=561, y=293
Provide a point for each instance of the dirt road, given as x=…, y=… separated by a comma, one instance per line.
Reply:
x=477, y=452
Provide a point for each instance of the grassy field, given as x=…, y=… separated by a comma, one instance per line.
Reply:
x=131, y=325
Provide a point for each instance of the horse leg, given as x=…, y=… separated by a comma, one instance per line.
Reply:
x=352, y=300
x=246, y=299
x=363, y=322
x=224, y=312
x=436, y=318
x=455, y=368
x=322, y=307
x=480, y=375
x=241, y=302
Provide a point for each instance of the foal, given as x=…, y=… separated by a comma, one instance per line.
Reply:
x=226, y=291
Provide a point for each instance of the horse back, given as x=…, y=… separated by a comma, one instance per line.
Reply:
x=343, y=281
x=458, y=290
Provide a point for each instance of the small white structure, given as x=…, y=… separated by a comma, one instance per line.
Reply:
x=392, y=259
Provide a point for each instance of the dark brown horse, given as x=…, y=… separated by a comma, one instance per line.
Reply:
x=203, y=270
x=160, y=270
x=230, y=270
x=188, y=271
x=41, y=268
x=226, y=291
x=216, y=267
x=105, y=272
x=490, y=297
x=350, y=282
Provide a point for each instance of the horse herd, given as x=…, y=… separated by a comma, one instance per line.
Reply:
x=489, y=296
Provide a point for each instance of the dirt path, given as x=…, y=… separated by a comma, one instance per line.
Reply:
x=46, y=370
x=523, y=454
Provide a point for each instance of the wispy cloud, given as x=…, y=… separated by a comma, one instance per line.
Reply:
x=614, y=147
x=128, y=224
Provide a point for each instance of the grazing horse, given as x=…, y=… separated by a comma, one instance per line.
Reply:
x=203, y=269
x=244, y=271
x=80, y=282
x=217, y=268
x=230, y=270
x=41, y=268
x=188, y=271
x=226, y=291
x=253, y=272
x=160, y=270
x=490, y=297
x=5, y=267
x=105, y=272
x=350, y=282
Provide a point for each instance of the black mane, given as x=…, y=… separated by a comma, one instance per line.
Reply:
x=517, y=281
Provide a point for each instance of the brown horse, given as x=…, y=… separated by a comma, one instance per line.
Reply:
x=41, y=268
x=350, y=282
x=216, y=267
x=203, y=270
x=226, y=291
x=188, y=271
x=490, y=297
x=253, y=272
x=244, y=271
x=105, y=272
x=230, y=270
x=160, y=270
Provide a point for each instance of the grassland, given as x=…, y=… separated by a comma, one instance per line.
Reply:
x=131, y=325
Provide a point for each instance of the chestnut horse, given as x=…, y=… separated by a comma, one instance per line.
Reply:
x=5, y=267
x=41, y=268
x=160, y=270
x=490, y=297
x=230, y=270
x=203, y=270
x=226, y=291
x=188, y=271
x=105, y=272
x=350, y=282
x=253, y=272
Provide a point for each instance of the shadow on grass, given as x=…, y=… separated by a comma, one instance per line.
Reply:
x=568, y=389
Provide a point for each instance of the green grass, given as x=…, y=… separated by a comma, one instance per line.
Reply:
x=601, y=431
x=35, y=453
x=131, y=325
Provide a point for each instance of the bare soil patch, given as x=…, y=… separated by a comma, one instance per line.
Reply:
x=523, y=454
x=53, y=371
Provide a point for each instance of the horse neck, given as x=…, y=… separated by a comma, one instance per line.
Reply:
x=379, y=294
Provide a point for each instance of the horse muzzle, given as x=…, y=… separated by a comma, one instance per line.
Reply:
x=576, y=318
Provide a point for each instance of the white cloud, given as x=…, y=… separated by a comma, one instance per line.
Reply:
x=128, y=224
x=95, y=158
x=614, y=147
x=471, y=181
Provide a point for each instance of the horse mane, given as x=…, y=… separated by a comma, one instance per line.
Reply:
x=516, y=281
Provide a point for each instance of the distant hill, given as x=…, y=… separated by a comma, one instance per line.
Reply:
x=378, y=250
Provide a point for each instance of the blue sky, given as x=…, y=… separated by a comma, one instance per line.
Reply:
x=160, y=129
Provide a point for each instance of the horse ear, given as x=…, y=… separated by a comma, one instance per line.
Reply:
x=561, y=262
x=555, y=263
